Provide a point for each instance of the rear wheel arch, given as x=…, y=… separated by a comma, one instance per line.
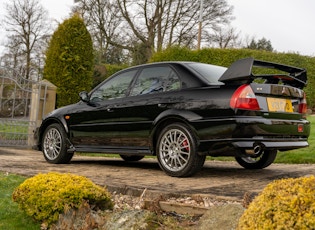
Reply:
x=160, y=125
x=177, y=150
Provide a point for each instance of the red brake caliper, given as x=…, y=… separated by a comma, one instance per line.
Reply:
x=185, y=145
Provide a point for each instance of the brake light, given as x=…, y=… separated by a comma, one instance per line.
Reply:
x=303, y=105
x=244, y=98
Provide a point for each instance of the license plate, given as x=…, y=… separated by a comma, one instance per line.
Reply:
x=279, y=105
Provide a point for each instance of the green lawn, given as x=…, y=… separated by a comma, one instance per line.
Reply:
x=301, y=156
x=11, y=217
x=14, y=130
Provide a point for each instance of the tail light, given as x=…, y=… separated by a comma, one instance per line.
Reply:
x=244, y=98
x=303, y=105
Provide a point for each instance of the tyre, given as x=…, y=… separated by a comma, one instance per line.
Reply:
x=131, y=157
x=176, y=151
x=54, y=145
x=263, y=161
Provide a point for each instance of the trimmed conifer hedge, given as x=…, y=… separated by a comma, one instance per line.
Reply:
x=69, y=60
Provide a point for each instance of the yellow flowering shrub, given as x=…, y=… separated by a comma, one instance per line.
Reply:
x=283, y=204
x=45, y=196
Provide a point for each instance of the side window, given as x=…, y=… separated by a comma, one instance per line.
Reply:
x=114, y=88
x=156, y=79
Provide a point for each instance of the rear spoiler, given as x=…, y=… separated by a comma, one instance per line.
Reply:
x=241, y=70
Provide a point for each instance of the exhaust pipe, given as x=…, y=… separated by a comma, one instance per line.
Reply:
x=258, y=149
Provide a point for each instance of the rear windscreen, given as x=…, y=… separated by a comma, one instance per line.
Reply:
x=210, y=73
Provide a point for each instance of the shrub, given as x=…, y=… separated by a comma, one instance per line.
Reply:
x=45, y=196
x=174, y=53
x=283, y=204
x=69, y=60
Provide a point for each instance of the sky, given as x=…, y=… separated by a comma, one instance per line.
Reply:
x=286, y=23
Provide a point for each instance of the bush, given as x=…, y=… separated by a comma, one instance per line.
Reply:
x=175, y=53
x=69, y=60
x=283, y=204
x=45, y=196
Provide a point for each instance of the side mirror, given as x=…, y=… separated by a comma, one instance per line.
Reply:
x=84, y=96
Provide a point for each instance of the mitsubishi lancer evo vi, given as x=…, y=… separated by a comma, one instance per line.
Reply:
x=182, y=112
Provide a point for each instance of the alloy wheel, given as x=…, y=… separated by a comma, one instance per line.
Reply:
x=175, y=150
x=52, y=144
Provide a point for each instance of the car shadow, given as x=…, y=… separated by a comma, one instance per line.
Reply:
x=117, y=162
x=211, y=169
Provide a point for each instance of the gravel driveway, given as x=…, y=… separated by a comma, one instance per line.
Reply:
x=226, y=180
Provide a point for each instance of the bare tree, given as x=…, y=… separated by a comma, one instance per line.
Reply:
x=153, y=24
x=224, y=38
x=163, y=23
x=26, y=24
x=103, y=19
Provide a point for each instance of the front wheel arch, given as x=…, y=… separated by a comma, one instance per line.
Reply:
x=47, y=123
x=54, y=144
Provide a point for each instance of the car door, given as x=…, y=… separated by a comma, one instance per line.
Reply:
x=148, y=97
x=96, y=125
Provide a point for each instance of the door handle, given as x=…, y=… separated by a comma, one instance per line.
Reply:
x=110, y=110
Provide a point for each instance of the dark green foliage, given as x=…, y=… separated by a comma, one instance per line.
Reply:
x=140, y=53
x=69, y=60
x=225, y=57
x=261, y=44
x=175, y=53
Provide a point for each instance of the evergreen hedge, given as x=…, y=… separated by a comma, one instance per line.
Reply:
x=69, y=60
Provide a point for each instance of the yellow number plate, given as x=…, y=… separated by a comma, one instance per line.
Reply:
x=279, y=105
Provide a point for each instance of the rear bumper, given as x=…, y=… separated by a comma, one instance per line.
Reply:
x=232, y=147
x=268, y=144
x=246, y=132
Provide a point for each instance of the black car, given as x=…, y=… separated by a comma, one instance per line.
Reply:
x=183, y=111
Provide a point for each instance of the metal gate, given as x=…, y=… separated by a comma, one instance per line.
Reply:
x=17, y=95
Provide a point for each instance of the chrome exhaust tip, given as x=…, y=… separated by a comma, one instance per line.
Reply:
x=258, y=149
